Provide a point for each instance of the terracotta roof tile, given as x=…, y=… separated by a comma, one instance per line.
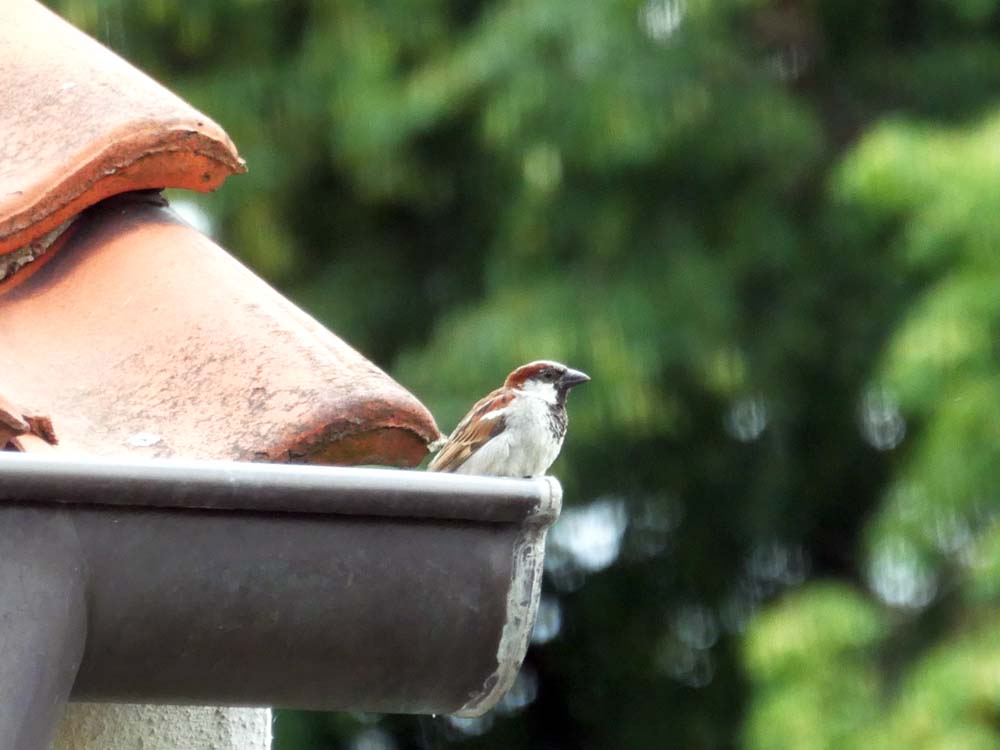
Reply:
x=17, y=423
x=79, y=124
x=139, y=335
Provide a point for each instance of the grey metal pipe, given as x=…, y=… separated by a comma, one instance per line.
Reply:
x=43, y=624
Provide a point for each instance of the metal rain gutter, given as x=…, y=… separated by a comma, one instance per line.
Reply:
x=217, y=583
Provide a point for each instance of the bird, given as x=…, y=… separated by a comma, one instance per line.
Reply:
x=515, y=431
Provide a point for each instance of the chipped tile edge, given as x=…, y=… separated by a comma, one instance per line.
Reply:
x=15, y=260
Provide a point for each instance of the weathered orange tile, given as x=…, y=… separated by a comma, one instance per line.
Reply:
x=143, y=337
x=79, y=124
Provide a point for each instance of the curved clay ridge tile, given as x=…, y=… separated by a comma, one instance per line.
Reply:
x=141, y=336
x=79, y=124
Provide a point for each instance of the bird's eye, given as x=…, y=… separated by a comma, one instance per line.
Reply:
x=548, y=375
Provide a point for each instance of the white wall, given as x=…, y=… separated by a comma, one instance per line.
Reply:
x=92, y=726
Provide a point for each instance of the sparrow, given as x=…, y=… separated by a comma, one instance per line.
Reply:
x=515, y=431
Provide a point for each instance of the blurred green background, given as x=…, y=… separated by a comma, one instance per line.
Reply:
x=768, y=230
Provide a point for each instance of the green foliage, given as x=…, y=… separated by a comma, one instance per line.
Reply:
x=931, y=549
x=769, y=232
x=819, y=629
x=815, y=664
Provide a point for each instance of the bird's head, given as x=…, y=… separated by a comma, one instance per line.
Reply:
x=548, y=380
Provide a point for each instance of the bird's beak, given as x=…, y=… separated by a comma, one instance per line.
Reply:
x=573, y=377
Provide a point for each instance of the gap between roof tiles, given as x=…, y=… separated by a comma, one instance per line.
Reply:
x=15, y=260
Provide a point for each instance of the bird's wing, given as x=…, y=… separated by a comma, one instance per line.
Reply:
x=473, y=432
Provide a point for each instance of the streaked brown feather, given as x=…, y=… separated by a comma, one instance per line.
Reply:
x=472, y=432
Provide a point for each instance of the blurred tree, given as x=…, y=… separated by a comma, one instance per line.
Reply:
x=765, y=229
x=930, y=670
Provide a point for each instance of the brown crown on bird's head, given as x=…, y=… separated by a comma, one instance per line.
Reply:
x=559, y=375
